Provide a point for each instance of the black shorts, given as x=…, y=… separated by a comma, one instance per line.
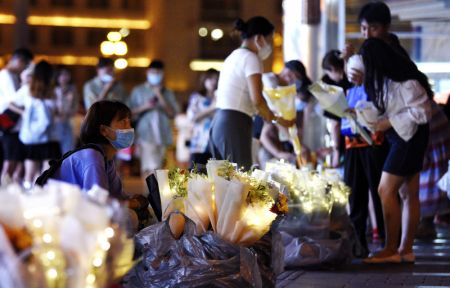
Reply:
x=44, y=151
x=405, y=158
x=13, y=148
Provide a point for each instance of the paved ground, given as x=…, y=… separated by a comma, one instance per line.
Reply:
x=432, y=267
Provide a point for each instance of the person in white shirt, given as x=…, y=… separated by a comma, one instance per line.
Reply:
x=36, y=130
x=10, y=144
x=401, y=94
x=239, y=94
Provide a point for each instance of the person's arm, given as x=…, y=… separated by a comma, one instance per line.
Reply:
x=205, y=113
x=254, y=83
x=336, y=136
x=268, y=142
x=416, y=110
x=163, y=103
x=106, y=89
x=13, y=107
x=138, y=108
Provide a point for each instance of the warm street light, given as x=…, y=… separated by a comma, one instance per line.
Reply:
x=216, y=34
x=114, y=36
x=121, y=63
x=120, y=48
x=107, y=48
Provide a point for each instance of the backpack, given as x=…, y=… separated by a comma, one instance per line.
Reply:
x=56, y=164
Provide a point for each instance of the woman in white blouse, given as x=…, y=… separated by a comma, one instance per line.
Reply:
x=239, y=94
x=402, y=96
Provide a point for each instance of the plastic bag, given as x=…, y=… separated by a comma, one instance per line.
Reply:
x=200, y=261
x=316, y=239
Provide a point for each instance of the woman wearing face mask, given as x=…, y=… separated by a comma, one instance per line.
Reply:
x=201, y=111
x=153, y=106
x=107, y=125
x=239, y=94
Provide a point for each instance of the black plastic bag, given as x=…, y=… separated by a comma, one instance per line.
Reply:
x=191, y=261
x=153, y=195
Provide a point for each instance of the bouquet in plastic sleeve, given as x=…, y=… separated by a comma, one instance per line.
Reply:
x=76, y=240
x=332, y=99
x=309, y=190
x=281, y=100
x=309, y=233
x=366, y=114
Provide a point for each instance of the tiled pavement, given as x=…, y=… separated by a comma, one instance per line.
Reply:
x=432, y=269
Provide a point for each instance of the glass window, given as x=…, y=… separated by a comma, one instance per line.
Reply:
x=95, y=37
x=133, y=4
x=98, y=3
x=62, y=3
x=61, y=36
x=220, y=10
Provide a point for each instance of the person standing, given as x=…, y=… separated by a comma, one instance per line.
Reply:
x=105, y=86
x=37, y=122
x=239, y=94
x=66, y=101
x=401, y=94
x=201, y=111
x=12, y=148
x=153, y=107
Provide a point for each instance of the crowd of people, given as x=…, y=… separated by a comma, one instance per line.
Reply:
x=229, y=118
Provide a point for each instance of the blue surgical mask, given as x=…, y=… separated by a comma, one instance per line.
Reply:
x=124, y=138
x=154, y=79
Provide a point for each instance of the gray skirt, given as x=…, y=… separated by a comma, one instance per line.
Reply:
x=231, y=137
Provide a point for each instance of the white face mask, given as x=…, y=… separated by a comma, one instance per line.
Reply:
x=265, y=51
x=154, y=79
x=106, y=78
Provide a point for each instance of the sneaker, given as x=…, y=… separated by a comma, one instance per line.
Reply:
x=394, y=258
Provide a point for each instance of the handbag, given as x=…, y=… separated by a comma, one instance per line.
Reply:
x=8, y=119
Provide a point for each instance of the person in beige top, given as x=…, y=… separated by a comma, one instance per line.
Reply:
x=105, y=86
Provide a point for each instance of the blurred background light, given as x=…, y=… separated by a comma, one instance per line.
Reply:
x=107, y=48
x=121, y=63
x=88, y=22
x=216, y=34
x=203, y=65
x=114, y=36
x=120, y=48
x=203, y=32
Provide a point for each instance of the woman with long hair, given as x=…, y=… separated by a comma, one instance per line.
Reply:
x=37, y=122
x=401, y=94
x=202, y=105
x=239, y=94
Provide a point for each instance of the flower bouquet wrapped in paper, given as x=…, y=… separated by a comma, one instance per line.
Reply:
x=77, y=240
x=332, y=99
x=236, y=204
x=199, y=206
x=281, y=100
x=366, y=114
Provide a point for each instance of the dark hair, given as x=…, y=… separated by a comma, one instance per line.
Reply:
x=42, y=80
x=156, y=64
x=101, y=113
x=257, y=25
x=104, y=62
x=381, y=61
x=59, y=70
x=375, y=12
x=23, y=54
x=333, y=60
x=298, y=67
x=206, y=75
